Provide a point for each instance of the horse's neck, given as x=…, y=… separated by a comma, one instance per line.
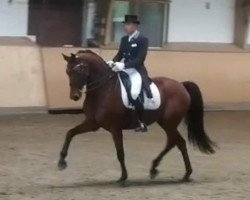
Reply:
x=98, y=72
x=99, y=78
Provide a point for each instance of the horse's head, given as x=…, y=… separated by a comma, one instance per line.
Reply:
x=78, y=72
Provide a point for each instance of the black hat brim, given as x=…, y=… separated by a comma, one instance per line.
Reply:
x=128, y=22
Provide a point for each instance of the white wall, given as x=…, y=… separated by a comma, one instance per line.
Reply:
x=14, y=18
x=191, y=21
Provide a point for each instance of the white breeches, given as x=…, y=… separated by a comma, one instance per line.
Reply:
x=136, y=82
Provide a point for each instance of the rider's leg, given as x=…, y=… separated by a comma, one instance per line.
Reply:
x=139, y=112
x=146, y=82
x=133, y=97
x=136, y=81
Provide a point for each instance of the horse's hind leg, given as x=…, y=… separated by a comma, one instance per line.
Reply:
x=181, y=144
x=174, y=138
x=86, y=126
x=171, y=142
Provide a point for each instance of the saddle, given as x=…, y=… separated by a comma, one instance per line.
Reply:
x=132, y=91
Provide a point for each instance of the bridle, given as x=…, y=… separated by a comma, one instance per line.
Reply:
x=97, y=83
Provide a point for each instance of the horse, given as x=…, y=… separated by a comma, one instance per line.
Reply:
x=103, y=108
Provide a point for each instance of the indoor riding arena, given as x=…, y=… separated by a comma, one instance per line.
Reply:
x=54, y=77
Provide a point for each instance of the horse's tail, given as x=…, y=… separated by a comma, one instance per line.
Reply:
x=194, y=120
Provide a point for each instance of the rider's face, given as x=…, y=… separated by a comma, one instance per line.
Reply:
x=130, y=28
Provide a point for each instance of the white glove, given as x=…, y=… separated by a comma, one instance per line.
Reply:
x=110, y=63
x=119, y=66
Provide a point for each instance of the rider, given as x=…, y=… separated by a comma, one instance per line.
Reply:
x=132, y=54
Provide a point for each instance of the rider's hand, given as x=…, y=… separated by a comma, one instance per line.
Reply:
x=110, y=63
x=118, y=66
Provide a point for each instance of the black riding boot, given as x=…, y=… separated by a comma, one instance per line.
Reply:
x=149, y=93
x=139, y=111
x=146, y=86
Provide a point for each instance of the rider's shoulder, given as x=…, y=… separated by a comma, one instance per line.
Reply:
x=124, y=38
x=142, y=38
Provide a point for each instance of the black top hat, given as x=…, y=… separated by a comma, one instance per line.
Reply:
x=131, y=19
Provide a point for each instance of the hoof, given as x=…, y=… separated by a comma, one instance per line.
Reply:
x=186, y=178
x=62, y=164
x=153, y=173
x=122, y=181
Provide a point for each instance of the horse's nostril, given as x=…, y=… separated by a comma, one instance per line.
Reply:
x=75, y=97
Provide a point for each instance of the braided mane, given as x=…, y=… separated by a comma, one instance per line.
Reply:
x=86, y=51
x=92, y=53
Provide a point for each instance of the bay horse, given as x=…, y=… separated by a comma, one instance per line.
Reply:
x=103, y=108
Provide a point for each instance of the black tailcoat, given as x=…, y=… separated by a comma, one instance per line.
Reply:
x=134, y=53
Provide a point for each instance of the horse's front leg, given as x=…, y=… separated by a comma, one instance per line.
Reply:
x=86, y=126
x=118, y=140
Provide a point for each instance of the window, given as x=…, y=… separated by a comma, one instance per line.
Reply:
x=93, y=14
x=152, y=15
x=121, y=8
x=13, y=18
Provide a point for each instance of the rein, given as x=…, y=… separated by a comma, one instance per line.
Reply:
x=98, y=83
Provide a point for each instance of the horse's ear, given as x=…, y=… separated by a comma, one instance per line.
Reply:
x=66, y=58
x=73, y=55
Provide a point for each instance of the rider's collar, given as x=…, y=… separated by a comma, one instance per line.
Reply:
x=133, y=35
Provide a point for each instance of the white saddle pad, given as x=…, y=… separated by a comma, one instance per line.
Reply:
x=136, y=81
